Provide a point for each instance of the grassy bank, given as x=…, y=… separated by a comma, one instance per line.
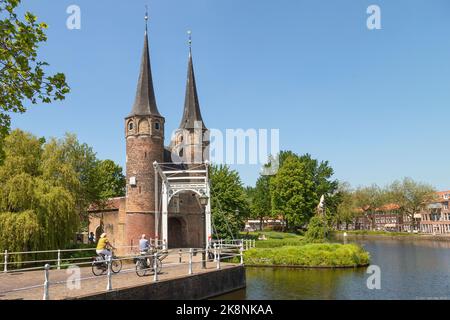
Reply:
x=289, y=249
x=309, y=255
x=376, y=233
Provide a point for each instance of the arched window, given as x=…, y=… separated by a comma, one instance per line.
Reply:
x=156, y=125
x=130, y=126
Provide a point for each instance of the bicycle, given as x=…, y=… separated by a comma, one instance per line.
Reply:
x=146, y=263
x=100, y=264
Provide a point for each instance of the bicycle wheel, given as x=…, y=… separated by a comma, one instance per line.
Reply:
x=116, y=265
x=98, y=268
x=158, y=266
x=141, y=268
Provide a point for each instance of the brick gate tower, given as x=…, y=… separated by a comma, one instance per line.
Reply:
x=144, y=132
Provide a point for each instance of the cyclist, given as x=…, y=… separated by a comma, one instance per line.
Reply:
x=144, y=244
x=103, y=246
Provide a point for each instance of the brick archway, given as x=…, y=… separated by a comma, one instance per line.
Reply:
x=177, y=232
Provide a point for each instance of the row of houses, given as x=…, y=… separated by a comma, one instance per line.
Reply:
x=434, y=219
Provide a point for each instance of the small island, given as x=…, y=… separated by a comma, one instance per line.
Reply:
x=292, y=250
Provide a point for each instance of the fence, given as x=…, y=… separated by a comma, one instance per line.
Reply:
x=218, y=251
x=59, y=259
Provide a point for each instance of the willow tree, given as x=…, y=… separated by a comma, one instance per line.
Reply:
x=36, y=211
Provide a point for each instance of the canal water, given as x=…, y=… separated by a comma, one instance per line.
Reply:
x=409, y=269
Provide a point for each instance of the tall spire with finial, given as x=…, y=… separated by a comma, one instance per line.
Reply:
x=145, y=102
x=191, y=113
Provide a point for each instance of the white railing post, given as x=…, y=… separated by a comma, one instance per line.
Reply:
x=59, y=259
x=5, y=266
x=254, y=243
x=109, y=275
x=46, y=282
x=241, y=253
x=190, y=261
x=218, y=259
x=155, y=267
x=215, y=252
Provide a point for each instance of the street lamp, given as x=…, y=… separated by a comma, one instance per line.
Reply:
x=203, y=199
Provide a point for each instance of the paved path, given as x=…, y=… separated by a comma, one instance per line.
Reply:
x=59, y=288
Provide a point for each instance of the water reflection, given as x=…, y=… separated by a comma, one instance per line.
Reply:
x=410, y=269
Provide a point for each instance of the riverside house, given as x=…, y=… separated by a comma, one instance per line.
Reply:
x=435, y=219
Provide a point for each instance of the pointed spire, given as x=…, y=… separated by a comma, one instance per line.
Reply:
x=145, y=102
x=191, y=113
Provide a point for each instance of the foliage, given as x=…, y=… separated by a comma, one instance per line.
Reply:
x=412, y=197
x=22, y=73
x=317, y=229
x=261, y=205
x=37, y=212
x=376, y=233
x=228, y=201
x=309, y=255
x=111, y=180
x=345, y=211
x=43, y=187
x=94, y=180
x=369, y=200
x=298, y=186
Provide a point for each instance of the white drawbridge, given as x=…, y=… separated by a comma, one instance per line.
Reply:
x=176, y=178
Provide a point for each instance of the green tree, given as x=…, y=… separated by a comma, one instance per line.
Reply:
x=317, y=229
x=261, y=202
x=411, y=196
x=36, y=212
x=228, y=201
x=345, y=211
x=111, y=180
x=298, y=185
x=368, y=200
x=45, y=188
x=22, y=73
x=69, y=154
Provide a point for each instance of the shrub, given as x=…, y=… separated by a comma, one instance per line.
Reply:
x=310, y=255
x=317, y=230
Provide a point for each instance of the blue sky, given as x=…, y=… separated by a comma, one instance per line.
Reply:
x=373, y=103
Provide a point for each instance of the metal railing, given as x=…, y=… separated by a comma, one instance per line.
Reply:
x=221, y=250
x=58, y=260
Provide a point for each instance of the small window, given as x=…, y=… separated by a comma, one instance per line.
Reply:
x=145, y=155
x=156, y=125
x=139, y=189
x=130, y=126
x=181, y=153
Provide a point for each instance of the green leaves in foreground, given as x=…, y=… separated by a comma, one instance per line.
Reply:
x=22, y=73
x=309, y=255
